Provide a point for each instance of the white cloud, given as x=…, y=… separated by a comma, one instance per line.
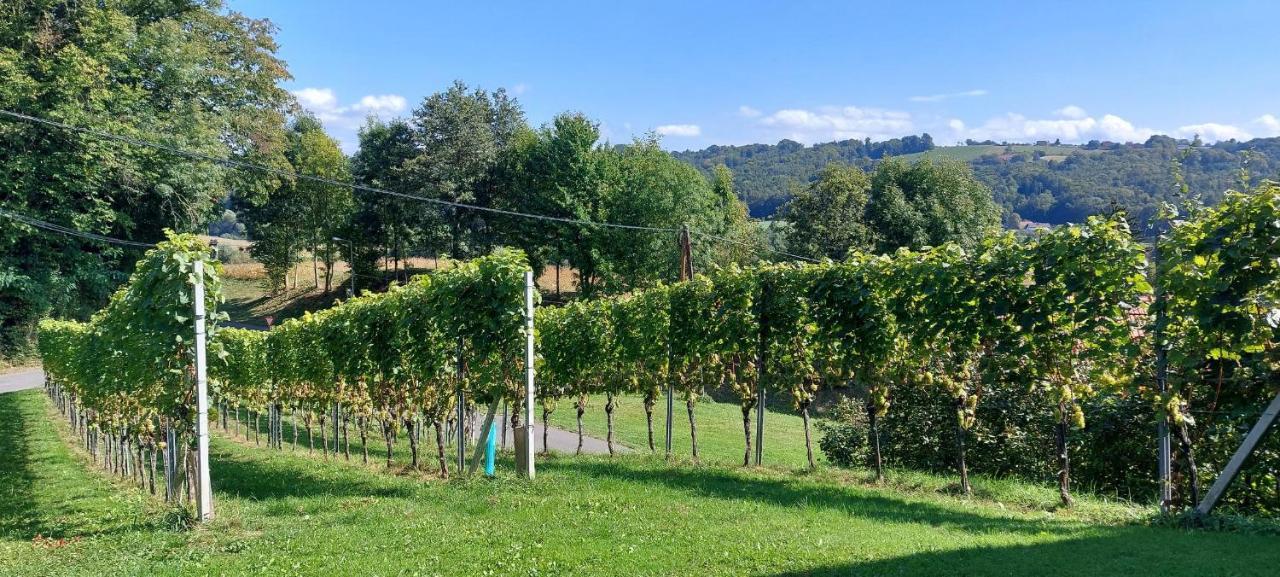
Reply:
x=381, y=104
x=342, y=121
x=1071, y=111
x=950, y=95
x=839, y=123
x=519, y=88
x=1213, y=132
x=1269, y=123
x=1018, y=128
x=679, y=130
x=748, y=112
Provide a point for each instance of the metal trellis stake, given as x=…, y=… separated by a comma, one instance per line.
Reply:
x=204, y=503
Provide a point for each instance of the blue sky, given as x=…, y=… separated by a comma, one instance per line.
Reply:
x=703, y=73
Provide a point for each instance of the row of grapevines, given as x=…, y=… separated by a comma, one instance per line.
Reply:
x=397, y=359
x=1218, y=318
x=125, y=378
x=1050, y=313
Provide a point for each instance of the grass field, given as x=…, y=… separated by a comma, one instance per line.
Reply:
x=290, y=514
x=720, y=438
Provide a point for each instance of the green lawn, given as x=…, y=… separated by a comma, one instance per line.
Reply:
x=720, y=438
x=290, y=514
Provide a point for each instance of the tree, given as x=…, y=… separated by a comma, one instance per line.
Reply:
x=928, y=204
x=382, y=221
x=460, y=134
x=827, y=219
x=303, y=212
x=187, y=74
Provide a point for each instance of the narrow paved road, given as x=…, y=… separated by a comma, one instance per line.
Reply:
x=561, y=441
x=23, y=379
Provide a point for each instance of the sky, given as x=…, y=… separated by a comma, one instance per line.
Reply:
x=703, y=73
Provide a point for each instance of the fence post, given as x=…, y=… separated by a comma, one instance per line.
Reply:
x=529, y=450
x=1164, y=461
x=204, y=507
x=462, y=414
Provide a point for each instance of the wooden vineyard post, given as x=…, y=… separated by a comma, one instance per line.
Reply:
x=686, y=273
x=528, y=470
x=462, y=414
x=204, y=500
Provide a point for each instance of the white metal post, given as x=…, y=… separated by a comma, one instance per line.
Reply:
x=528, y=375
x=204, y=507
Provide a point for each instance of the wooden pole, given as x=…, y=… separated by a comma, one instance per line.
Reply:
x=462, y=414
x=204, y=503
x=686, y=273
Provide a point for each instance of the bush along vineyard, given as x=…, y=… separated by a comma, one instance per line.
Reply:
x=1033, y=356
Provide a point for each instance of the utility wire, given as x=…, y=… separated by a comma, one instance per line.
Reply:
x=70, y=231
x=290, y=174
x=752, y=246
x=237, y=164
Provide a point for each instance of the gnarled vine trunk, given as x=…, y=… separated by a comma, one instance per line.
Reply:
x=690, y=403
x=1188, y=454
x=546, y=424
x=808, y=439
x=874, y=422
x=581, y=406
x=650, y=399
x=410, y=428
x=960, y=449
x=746, y=432
x=608, y=412
x=1064, y=457
x=444, y=464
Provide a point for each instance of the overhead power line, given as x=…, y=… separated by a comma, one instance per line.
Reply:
x=70, y=231
x=752, y=246
x=312, y=178
x=241, y=165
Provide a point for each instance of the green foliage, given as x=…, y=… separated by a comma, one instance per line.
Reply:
x=131, y=364
x=186, y=74
x=828, y=217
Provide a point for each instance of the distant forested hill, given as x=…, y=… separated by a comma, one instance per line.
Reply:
x=763, y=173
x=1042, y=182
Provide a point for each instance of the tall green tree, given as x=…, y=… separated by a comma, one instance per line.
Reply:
x=384, y=224
x=304, y=213
x=460, y=134
x=928, y=203
x=828, y=217
x=184, y=73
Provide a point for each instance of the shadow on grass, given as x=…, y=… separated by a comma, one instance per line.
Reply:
x=18, y=514
x=1103, y=551
x=787, y=492
x=264, y=474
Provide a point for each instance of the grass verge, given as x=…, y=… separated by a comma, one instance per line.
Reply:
x=289, y=514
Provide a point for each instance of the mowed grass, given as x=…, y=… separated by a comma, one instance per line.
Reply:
x=290, y=514
x=720, y=434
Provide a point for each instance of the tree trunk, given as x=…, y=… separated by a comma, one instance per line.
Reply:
x=257, y=429
x=1188, y=454
x=746, y=432
x=444, y=464
x=581, y=406
x=608, y=412
x=689, y=404
x=649, y=400
x=876, y=461
x=808, y=440
x=1064, y=459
